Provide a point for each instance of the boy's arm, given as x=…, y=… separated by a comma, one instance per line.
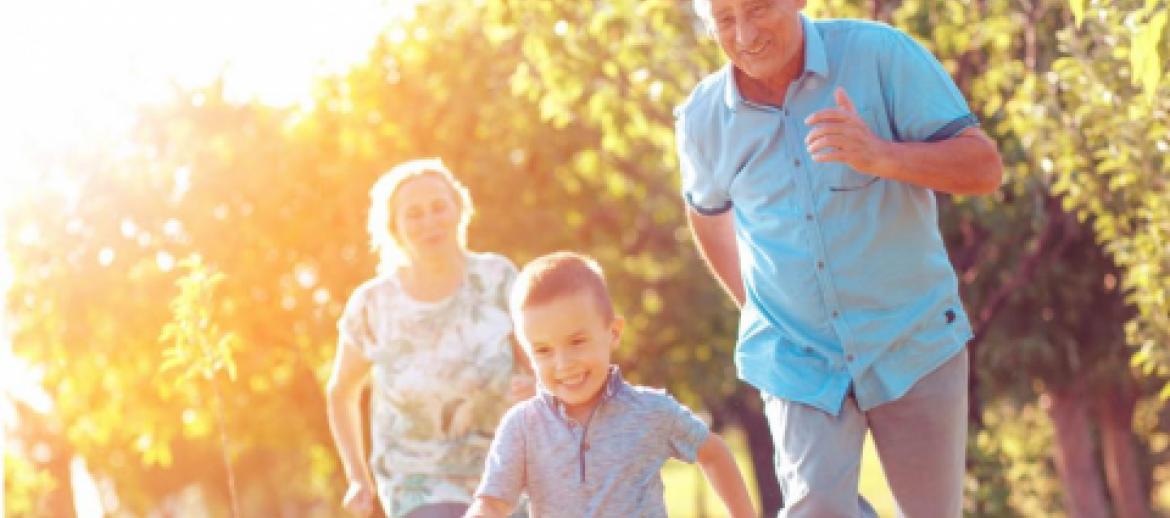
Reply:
x=723, y=474
x=488, y=507
x=504, y=477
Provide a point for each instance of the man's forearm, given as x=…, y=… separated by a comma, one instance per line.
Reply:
x=966, y=164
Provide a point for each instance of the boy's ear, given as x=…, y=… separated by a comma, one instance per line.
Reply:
x=615, y=329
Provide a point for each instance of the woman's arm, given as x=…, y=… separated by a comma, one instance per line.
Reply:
x=343, y=403
x=723, y=474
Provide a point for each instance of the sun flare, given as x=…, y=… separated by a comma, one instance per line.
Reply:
x=82, y=67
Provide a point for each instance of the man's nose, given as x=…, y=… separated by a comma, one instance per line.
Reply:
x=745, y=33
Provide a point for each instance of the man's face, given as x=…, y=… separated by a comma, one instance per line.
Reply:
x=763, y=38
x=570, y=342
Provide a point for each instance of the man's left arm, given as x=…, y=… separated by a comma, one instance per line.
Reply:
x=967, y=163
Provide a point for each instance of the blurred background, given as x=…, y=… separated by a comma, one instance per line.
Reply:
x=183, y=193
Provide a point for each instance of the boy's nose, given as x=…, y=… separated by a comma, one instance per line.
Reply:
x=561, y=360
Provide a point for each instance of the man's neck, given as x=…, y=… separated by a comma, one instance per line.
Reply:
x=762, y=91
x=770, y=90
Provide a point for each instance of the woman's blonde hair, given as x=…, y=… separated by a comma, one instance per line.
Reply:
x=381, y=220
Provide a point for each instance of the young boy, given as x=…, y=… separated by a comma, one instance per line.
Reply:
x=589, y=444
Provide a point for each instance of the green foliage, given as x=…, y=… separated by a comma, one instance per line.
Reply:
x=198, y=347
x=1010, y=471
x=1097, y=120
x=24, y=485
x=558, y=117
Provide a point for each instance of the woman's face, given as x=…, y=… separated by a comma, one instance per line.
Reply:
x=426, y=217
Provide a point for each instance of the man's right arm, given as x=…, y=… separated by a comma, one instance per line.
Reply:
x=715, y=238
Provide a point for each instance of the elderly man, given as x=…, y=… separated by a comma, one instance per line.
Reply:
x=808, y=166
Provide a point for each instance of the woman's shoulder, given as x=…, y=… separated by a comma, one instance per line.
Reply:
x=491, y=260
x=491, y=265
x=381, y=284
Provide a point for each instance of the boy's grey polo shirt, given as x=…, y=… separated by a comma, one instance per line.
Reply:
x=848, y=282
x=609, y=467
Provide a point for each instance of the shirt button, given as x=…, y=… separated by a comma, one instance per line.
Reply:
x=849, y=357
x=836, y=313
x=821, y=265
x=808, y=216
x=796, y=162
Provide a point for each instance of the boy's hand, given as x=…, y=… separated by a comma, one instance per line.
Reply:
x=359, y=499
x=523, y=387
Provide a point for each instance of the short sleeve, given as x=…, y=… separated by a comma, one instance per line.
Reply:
x=687, y=432
x=699, y=188
x=504, y=474
x=509, y=278
x=354, y=326
x=925, y=103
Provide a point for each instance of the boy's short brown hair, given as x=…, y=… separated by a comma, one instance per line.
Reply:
x=555, y=275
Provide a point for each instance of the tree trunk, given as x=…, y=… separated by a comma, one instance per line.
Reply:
x=1076, y=463
x=1120, y=456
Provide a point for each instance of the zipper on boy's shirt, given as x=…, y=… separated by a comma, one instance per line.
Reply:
x=583, y=446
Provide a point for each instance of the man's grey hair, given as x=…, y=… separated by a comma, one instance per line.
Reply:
x=703, y=10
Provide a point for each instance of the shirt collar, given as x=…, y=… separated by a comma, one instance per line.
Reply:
x=613, y=385
x=815, y=62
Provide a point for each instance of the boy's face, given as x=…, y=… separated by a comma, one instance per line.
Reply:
x=570, y=342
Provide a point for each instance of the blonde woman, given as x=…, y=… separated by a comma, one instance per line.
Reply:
x=433, y=330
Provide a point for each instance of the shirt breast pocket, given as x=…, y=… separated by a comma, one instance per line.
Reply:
x=765, y=183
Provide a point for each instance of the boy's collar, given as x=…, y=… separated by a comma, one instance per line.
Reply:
x=613, y=384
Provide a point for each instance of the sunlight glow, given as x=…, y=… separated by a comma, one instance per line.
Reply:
x=80, y=67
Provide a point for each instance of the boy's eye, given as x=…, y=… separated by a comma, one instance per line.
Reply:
x=540, y=351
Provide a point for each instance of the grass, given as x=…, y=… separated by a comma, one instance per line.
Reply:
x=689, y=496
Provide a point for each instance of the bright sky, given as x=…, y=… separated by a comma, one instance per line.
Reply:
x=73, y=71
x=75, y=68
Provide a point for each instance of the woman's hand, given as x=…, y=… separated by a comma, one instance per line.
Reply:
x=359, y=499
x=523, y=386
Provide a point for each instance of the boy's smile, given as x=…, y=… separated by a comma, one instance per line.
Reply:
x=570, y=343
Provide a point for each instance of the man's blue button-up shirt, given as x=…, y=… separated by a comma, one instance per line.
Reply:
x=847, y=280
